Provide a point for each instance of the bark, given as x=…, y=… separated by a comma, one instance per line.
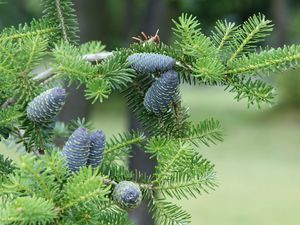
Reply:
x=156, y=11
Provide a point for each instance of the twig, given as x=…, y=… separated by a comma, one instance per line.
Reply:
x=8, y=102
x=97, y=56
x=47, y=74
x=142, y=185
x=41, y=77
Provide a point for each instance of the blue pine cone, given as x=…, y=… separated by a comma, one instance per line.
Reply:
x=47, y=105
x=151, y=62
x=76, y=149
x=162, y=93
x=127, y=195
x=97, y=145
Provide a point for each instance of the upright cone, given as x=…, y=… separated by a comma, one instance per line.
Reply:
x=46, y=106
x=76, y=149
x=97, y=145
x=162, y=93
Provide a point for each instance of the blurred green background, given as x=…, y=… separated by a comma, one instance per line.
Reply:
x=258, y=164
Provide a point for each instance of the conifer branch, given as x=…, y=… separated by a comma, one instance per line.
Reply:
x=206, y=132
x=254, y=30
x=88, y=182
x=61, y=20
x=118, y=145
x=35, y=28
x=272, y=60
x=61, y=14
x=223, y=33
x=28, y=210
x=49, y=73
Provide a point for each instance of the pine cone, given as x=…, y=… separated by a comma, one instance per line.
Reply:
x=46, y=106
x=76, y=149
x=127, y=195
x=151, y=62
x=97, y=145
x=162, y=93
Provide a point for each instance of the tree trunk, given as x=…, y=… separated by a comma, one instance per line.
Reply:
x=156, y=12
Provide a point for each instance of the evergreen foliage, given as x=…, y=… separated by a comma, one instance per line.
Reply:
x=6, y=167
x=61, y=15
x=40, y=188
x=39, y=27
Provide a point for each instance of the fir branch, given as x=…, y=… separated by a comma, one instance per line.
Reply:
x=61, y=14
x=166, y=167
x=208, y=70
x=28, y=210
x=117, y=173
x=83, y=187
x=50, y=72
x=25, y=90
x=199, y=176
x=69, y=64
x=47, y=74
x=6, y=167
x=190, y=39
x=255, y=91
x=117, y=146
x=36, y=28
x=266, y=61
x=182, y=155
x=166, y=213
x=100, y=214
x=33, y=51
x=97, y=90
x=9, y=50
x=61, y=19
x=223, y=33
x=9, y=116
x=109, y=213
x=253, y=31
x=206, y=132
x=55, y=165
x=116, y=71
x=34, y=170
x=91, y=47
x=19, y=59
x=183, y=185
